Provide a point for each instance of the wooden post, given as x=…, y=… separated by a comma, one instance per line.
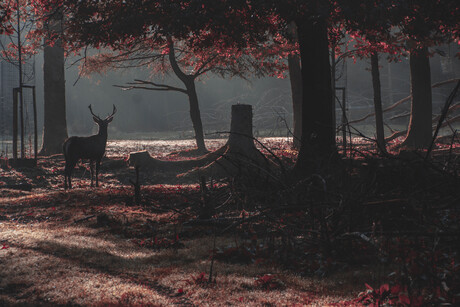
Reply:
x=34, y=101
x=34, y=104
x=207, y=211
x=137, y=187
x=344, y=120
x=15, y=124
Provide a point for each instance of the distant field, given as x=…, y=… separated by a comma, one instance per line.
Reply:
x=180, y=140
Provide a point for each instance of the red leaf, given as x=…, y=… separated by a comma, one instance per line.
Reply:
x=369, y=287
x=5, y=246
x=384, y=288
x=404, y=299
x=180, y=291
x=396, y=289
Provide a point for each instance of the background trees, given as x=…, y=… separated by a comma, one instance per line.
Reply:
x=189, y=64
x=170, y=47
x=238, y=25
x=5, y=15
x=410, y=27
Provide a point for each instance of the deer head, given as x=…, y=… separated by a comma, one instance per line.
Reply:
x=103, y=123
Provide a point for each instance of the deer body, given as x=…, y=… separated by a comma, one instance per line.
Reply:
x=90, y=147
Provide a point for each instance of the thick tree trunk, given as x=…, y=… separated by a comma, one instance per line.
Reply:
x=419, y=133
x=195, y=115
x=241, y=137
x=55, y=123
x=295, y=76
x=377, y=102
x=318, y=128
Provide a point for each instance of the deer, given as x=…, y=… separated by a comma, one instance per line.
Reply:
x=86, y=147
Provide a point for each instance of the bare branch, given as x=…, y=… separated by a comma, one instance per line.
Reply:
x=140, y=84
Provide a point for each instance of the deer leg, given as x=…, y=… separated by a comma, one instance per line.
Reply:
x=68, y=174
x=91, y=167
x=65, y=177
x=97, y=171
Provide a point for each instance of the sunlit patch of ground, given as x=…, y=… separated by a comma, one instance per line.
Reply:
x=114, y=170
x=51, y=255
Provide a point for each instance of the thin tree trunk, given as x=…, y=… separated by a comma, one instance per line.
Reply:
x=189, y=82
x=419, y=133
x=295, y=76
x=318, y=129
x=195, y=115
x=333, y=85
x=378, y=102
x=55, y=123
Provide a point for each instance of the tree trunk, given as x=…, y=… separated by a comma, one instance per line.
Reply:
x=378, y=102
x=318, y=128
x=419, y=133
x=55, y=123
x=189, y=82
x=333, y=85
x=195, y=115
x=241, y=137
x=295, y=76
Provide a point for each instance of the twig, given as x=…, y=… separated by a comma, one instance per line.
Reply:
x=445, y=110
x=84, y=219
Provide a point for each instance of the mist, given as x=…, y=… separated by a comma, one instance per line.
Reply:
x=146, y=114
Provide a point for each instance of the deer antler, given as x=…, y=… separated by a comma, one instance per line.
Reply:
x=91, y=110
x=113, y=112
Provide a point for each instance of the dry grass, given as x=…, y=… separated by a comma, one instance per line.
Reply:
x=50, y=260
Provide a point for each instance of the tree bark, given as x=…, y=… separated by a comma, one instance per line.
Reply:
x=419, y=133
x=318, y=128
x=378, y=102
x=55, y=123
x=189, y=82
x=195, y=115
x=295, y=76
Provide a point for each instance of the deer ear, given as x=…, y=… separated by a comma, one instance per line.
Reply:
x=108, y=120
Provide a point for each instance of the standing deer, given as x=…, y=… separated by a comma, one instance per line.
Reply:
x=89, y=147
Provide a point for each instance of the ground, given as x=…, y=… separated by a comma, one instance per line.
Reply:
x=96, y=246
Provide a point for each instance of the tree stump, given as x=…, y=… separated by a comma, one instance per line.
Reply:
x=238, y=157
x=241, y=157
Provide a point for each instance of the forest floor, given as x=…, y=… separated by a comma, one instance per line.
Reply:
x=96, y=246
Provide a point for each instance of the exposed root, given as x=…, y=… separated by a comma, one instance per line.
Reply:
x=144, y=160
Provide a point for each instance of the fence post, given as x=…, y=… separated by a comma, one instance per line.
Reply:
x=15, y=124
